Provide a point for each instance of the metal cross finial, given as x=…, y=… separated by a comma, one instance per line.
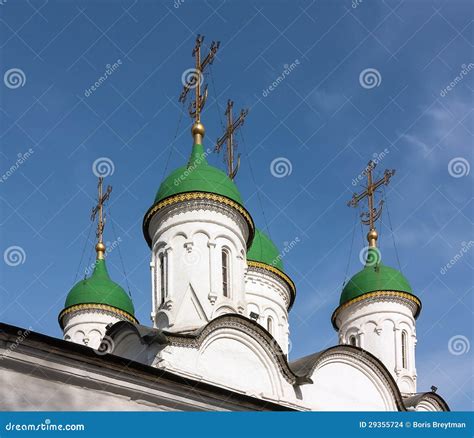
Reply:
x=370, y=217
x=195, y=79
x=98, y=211
x=228, y=137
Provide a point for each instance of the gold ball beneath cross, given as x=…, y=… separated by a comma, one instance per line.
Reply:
x=198, y=129
x=372, y=235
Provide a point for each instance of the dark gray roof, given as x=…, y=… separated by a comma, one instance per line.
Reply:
x=414, y=400
x=304, y=366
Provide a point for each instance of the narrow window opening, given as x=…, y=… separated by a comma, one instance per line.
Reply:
x=225, y=273
x=353, y=341
x=270, y=325
x=404, y=349
x=163, y=288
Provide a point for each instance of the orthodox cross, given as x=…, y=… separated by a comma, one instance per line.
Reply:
x=228, y=137
x=195, y=78
x=370, y=217
x=98, y=212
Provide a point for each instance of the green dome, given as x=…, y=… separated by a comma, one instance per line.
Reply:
x=198, y=176
x=374, y=277
x=100, y=289
x=263, y=250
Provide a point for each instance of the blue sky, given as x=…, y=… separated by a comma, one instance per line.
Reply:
x=324, y=118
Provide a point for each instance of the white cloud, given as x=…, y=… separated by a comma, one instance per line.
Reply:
x=414, y=140
x=328, y=102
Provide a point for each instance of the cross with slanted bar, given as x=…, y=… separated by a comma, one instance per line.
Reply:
x=228, y=137
x=196, y=78
x=98, y=211
x=370, y=217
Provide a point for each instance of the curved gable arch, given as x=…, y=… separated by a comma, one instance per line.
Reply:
x=229, y=345
x=348, y=378
x=245, y=364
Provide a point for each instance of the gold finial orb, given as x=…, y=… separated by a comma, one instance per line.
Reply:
x=100, y=248
x=198, y=132
x=372, y=237
x=198, y=129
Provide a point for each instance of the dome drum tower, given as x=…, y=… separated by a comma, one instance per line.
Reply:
x=198, y=231
x=377, y=313
x=270, y=292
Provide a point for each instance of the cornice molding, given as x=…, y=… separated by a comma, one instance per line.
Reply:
x=99, y=308
x=281, y=276
x=408, y=299
x=198, y=196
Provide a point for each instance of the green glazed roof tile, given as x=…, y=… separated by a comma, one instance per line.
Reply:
x=374, y=277
x=198, y=176
x=263, y=250
x=100, y=289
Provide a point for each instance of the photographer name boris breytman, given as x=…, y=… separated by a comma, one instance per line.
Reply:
x=438, y=425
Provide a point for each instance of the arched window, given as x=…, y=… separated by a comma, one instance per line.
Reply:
x=163, y=279
x=404, y=349
x=270, y=325
x=225, y=272
x=353, y=340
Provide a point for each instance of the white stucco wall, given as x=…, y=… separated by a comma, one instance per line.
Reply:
x=191, y=236
x=342, y=383
x=24, y=392
x=268, y=296
x=88, y=327
x=232, y=359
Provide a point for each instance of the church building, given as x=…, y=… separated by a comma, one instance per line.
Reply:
x=219, y=332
